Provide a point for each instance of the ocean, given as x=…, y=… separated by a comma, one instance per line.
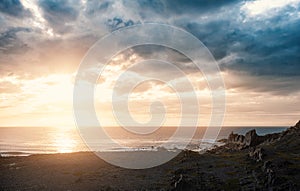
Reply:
x=24, y=141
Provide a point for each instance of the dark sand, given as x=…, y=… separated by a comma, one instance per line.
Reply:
x=77, y=171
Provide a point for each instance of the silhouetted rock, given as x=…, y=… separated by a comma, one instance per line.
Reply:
x=252, y=139
x=236, y=139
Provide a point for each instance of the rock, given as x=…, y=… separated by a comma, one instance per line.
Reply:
x=236, y=139
x=269, y=138
x=222, y=141
x=251, y=138
x=256, y=154
x=294, y=128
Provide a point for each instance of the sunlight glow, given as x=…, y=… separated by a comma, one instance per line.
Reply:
x=64, y=143
x=38, y=20
x=257, y=7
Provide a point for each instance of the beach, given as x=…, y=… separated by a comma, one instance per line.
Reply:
x=223, y=168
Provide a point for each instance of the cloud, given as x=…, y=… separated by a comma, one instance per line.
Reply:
x=265, y=47
x=8, y=87
x=94, y=7
x=244, y=82
x=153, y=61
x=165, y=54
x=117, y=22
x=10, y=43
x=254, y=8
x=270, y=51
x=195, y=6
x=256, y=46
x=178, y=7
x=59, y=14
x=13, y=8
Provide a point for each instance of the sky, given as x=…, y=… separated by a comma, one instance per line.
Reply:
x=255, y=43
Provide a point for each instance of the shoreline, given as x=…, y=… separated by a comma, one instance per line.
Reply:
x=272, y=162
x=142, y=149
x=17, y=153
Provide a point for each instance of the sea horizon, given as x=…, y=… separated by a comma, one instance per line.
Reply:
x=25, y=141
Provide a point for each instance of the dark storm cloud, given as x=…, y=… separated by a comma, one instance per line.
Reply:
x=59, y=13
x=212, y=34
x=266, y=47
x=118, y=22
x=13, y=8
x=272, y=52
x=10, y=43
x=178, y=7
x=196, y=6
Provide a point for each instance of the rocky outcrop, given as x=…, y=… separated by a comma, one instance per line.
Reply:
x=231, y=166
x=236, y=139
x=294, y=129
x=254, y=142
x=250, y=139
x=297, y=124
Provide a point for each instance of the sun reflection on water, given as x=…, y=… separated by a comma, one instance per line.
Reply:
x=65, y=142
